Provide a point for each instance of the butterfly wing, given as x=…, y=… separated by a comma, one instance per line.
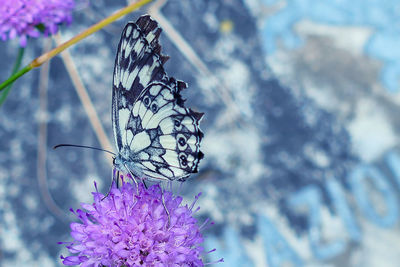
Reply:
x=157, y=137
x=138, y=62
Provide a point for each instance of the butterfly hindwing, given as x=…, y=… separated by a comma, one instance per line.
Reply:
x=157, y=137
x=172, y=130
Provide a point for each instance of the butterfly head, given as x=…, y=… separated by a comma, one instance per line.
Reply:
x=121, y=160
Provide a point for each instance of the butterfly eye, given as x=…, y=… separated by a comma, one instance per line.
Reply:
x=154, y=108
x=182, y=141
x=146, y=101
x=183, y=160
x=177, y=123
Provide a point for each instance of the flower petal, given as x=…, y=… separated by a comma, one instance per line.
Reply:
x=128, y=227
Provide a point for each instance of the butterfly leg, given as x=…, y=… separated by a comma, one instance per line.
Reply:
x=165, y=207
x=114, y=178
x=134, y=179
x=145, y=185
x=118, y=180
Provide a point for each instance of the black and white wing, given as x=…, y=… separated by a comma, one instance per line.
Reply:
x=156, y=136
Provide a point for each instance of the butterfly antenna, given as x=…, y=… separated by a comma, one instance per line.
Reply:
x=94, y=148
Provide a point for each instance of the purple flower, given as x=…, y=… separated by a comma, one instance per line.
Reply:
x=130, y=227
x=24, y=18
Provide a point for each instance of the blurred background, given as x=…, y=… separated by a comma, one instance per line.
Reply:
x=302, y=163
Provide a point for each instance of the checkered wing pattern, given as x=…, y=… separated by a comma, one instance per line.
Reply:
x=156, y=136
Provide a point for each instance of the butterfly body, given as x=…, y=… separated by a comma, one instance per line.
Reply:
x=156, y=136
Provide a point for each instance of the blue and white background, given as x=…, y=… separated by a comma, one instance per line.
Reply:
x=302, y=156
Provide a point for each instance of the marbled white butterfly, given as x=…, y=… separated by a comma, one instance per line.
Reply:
x=157, y=137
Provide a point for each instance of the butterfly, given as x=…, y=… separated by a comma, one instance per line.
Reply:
x=157, y=137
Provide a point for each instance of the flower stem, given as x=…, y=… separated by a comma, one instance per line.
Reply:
x=37, y=62
x=14, y=74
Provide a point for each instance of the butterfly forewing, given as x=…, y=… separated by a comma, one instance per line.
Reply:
x=136, y=64
x=157, y=137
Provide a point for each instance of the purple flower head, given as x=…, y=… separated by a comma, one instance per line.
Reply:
x=24, y=18
x=130, y=227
